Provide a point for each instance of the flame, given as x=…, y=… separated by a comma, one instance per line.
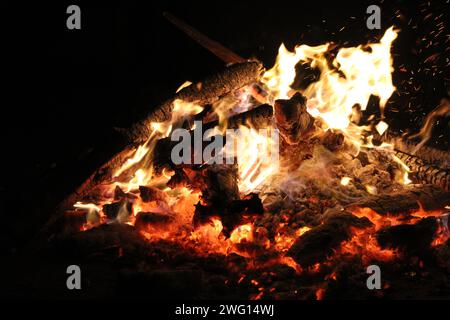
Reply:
x=242, y=234
x=184, y=85
x=282, y=75
x=345, y=181
x=381, y=127
x=256, y=153
x=320, y=293
x=363, y=243
x=88, y=206
x=404, y=178
x=93, y=216
x=352, y=77
x=443, y=110
x=144, y=174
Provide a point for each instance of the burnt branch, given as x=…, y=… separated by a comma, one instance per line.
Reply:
x=205, y=92
x=429, y=197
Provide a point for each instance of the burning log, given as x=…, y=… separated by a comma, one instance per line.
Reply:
x=146, y=220
x=218, y=185
x=72, y=221
x=428, y=197
x=232, y=215
x=293, y=121
x=425, y=172
x=119, y=194
x=211, y=89
x=118, y=210
x=257, y=118
x=317, y=244
x=432, y=156
x=149, y=194
x=413, y=239
x=220, y=194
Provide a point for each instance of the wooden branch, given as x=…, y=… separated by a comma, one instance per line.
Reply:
x=208, y=91
x=215, y=47
x=429, y=155
x=430, y=198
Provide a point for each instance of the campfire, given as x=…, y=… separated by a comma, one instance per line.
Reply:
x=269, y=184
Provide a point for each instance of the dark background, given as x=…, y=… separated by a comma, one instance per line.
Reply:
x=64, y=90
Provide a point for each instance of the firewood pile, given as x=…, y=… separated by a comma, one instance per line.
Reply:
x=306, y=228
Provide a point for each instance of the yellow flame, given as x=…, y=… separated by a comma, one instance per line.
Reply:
x=280, y=77
x=88, y=206
x=256, y=152
x=184, y=85
x=381, y=127
x=243, y=233
x=354, y=75
x=345, y=181
x=139, y=154
x=404, y=179
x=144, y=174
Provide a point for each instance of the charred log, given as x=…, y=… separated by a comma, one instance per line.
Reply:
x=232, y=215
x=218, y=185
x=317, y=244
x=425, y=172
x=292, y=119
x=149, y=194
x=148, y=220
x=234, y=77
x=120, y=195
x=118, y=210
x=413, y=239
x=429, y=155
x=428, y=197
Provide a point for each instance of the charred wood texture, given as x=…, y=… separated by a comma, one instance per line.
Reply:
x=426, y=173
x=333, y=140
x=118, y=210
x=317, y=244
x=208, y=91
x=149, y=194
x=430, y=197
x=429, y=155
x=220, y=196
x=257, y=118
x=413, y=239
x=217, y=183
x=293, y=121
x=232, y=215
x=119, y=194
x=148, y=220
